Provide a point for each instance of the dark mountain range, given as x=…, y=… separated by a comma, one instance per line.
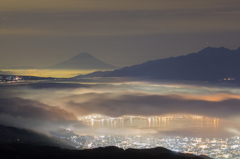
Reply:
x=94, y=74
x=209, y=64
x=83, y=61
x=12, y=135
x=21, y=143
x=38, y=152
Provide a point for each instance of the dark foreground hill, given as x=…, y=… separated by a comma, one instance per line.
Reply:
x=22, y=151
x=209, y=64
x=26, y=144
x=12, y=135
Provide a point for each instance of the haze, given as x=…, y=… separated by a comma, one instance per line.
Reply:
x=121, y=33
x=45, y=106
x=63, y=74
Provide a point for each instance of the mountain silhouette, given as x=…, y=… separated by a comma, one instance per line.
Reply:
x=13, y=135
x=83, y=61
x=209, y=64
x=25, y=151
x=27, y=144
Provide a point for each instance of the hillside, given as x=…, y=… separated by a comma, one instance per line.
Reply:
x=209, y=64
x=10, y=135
x=46, y=152
x=22, y=143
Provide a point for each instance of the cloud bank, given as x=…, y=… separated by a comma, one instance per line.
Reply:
x=50, y=106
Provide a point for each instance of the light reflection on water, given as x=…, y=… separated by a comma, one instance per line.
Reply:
x=154, y=122
x=189, y=125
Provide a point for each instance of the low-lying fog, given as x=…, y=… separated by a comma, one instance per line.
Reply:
x=212, y=109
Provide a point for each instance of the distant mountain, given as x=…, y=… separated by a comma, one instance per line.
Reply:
x=24, y=151
x=83, y=61
x=209, y=64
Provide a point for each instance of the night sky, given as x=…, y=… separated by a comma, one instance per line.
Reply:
x=119, y=32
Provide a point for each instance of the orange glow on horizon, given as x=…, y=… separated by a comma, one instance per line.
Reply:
x=48, y=72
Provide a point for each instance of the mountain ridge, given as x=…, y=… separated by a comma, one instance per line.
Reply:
x=29, y=151
x=27, y=144
x=14, y=135
x=209, y=64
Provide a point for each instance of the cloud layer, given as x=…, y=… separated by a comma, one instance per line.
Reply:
x=133, y=104
x=48, y=106
x=33, y=109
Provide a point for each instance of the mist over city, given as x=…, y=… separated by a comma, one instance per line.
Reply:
x=119, y=79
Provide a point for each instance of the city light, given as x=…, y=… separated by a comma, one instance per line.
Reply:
x=212, y=147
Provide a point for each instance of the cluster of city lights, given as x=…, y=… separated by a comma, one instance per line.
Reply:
x=212, y=147
x=147, y=121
